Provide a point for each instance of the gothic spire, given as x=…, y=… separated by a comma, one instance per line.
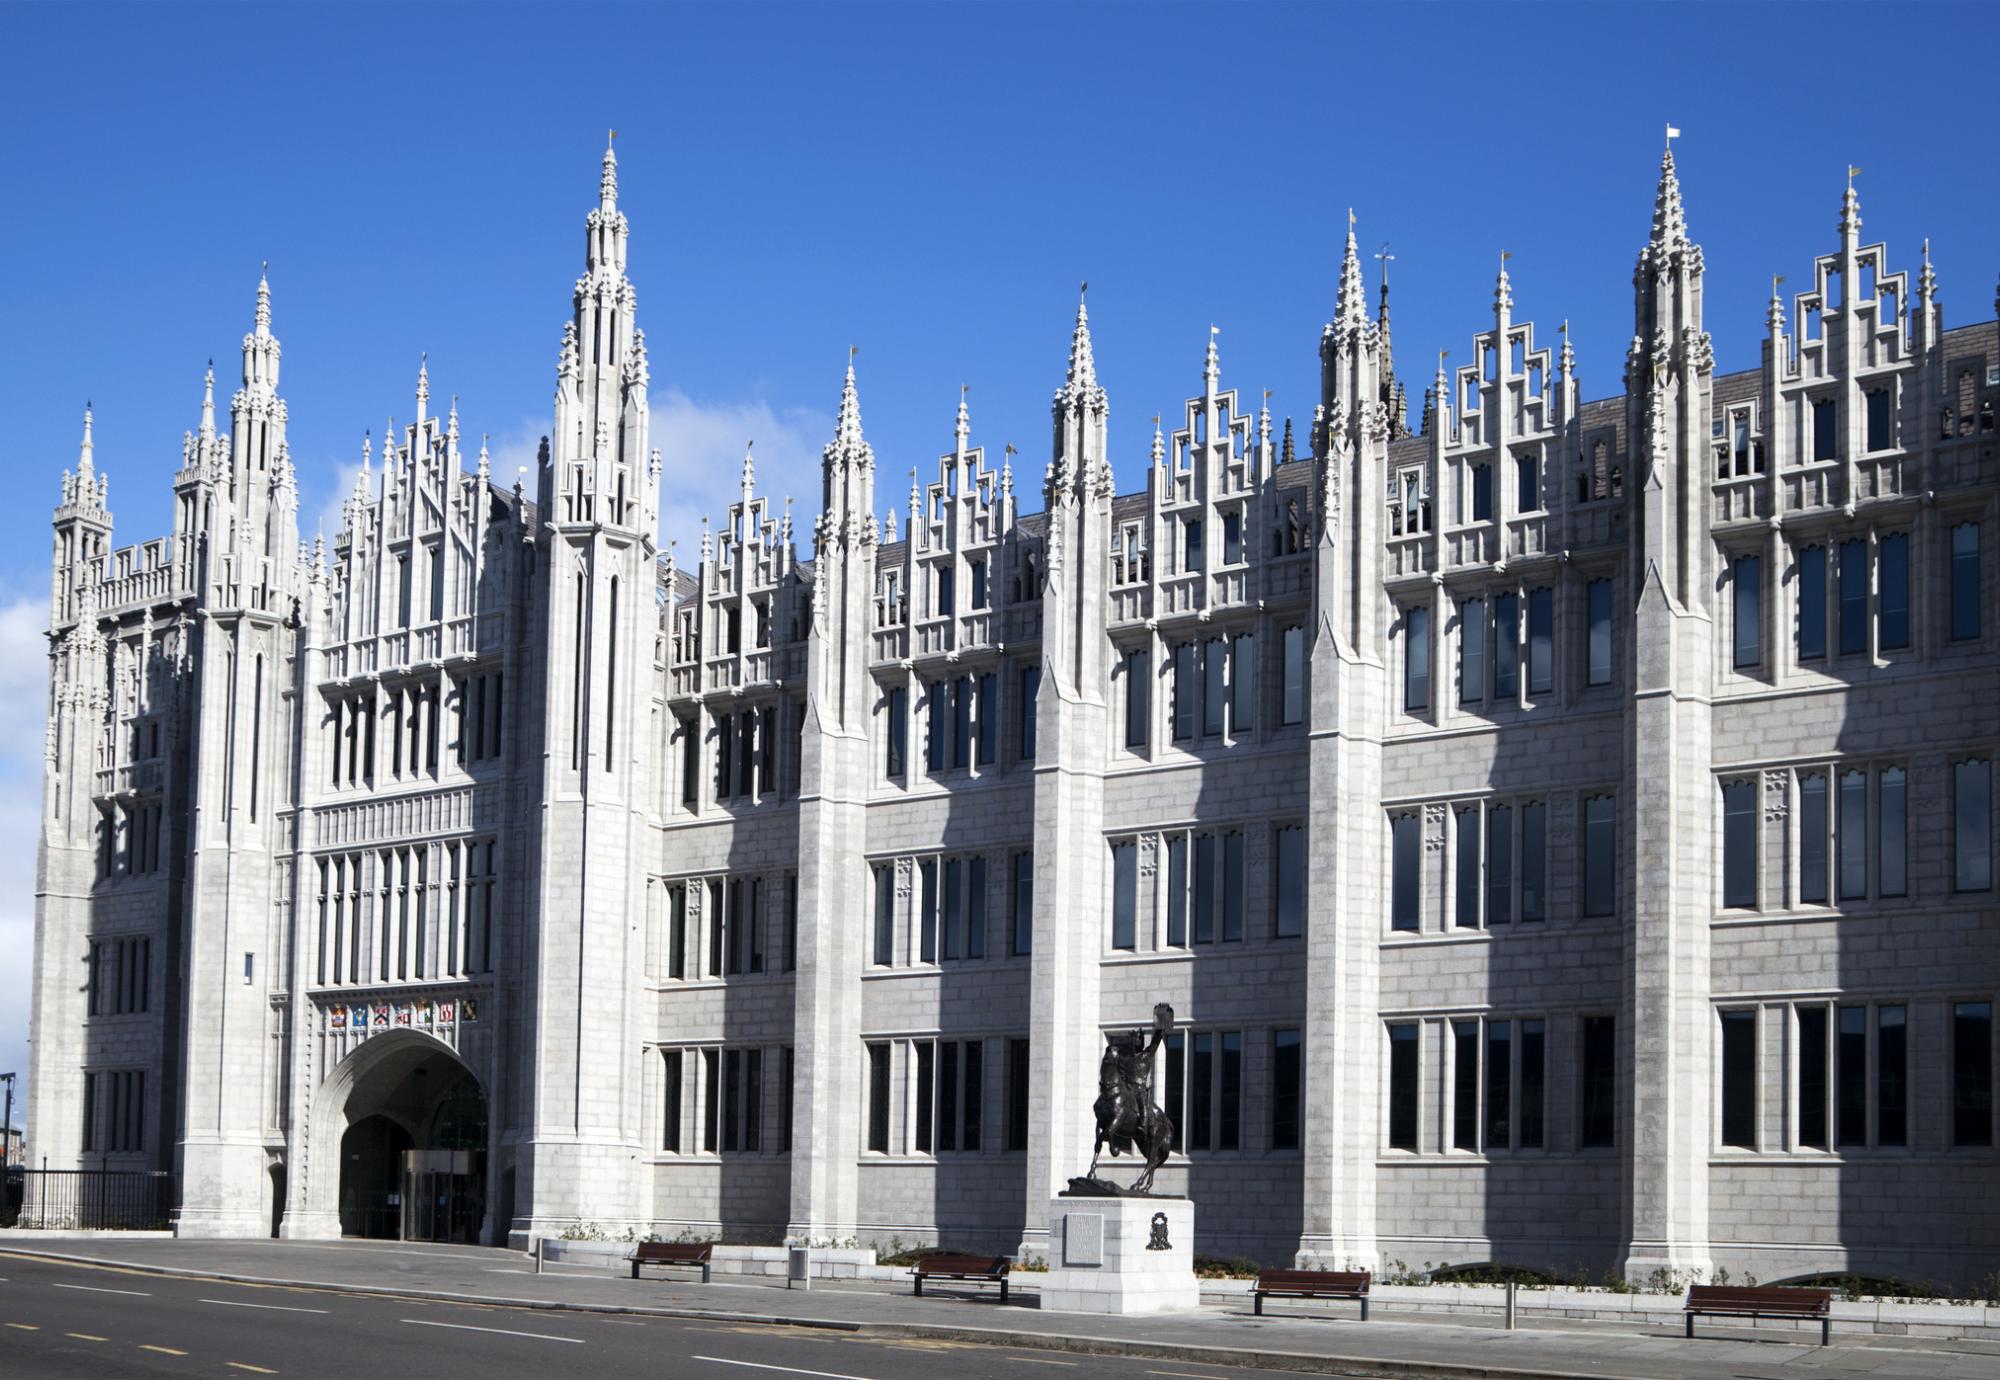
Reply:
x=1350, y=310
x=1669, y=219
x=1082, y=364
x=964, y=426
x=847, y=428
x=264, y=300
x=1159, y=444
x=208, y=403
x=1211, y=369
x=1285, y=453
x=84, y=463
x=423, y=384
x=1850, y=207
x=607, y=186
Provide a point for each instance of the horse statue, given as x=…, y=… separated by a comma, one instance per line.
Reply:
x=1128, y=1119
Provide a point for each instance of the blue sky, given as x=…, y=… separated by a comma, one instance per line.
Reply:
x=928, y=183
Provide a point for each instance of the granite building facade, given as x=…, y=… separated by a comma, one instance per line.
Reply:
x=1562, y=827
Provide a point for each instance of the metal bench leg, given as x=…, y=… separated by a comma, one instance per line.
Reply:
x=1364, y=1310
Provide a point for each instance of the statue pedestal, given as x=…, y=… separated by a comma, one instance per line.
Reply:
x=1101, y=1261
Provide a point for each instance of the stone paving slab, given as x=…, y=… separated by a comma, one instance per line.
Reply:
x=1320, y=1338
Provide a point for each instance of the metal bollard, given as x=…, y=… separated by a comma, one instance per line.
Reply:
x=540, y=1243
x=1511, y=1287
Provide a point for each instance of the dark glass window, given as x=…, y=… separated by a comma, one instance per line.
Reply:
x=1185, y=691
x=1853, y=597
x=1482, y=493
x=1465, y=1085
x=1891, y=842
x=1201, y=1089
x=899, y=723
x=1600, y=853
x=1243, y=684
x=1972, y=1073
x=1466, y=877
x=1416, y=659
x=1541, y=641
x=1812, y=603
x=1739, y=1079
x=1229, y=1109
x=1232, y=886
x=1812, y=837
x=1291, y=883
x=1286, y=1082
x=1177, y=890
x=1851, y=1077
x=1533, y=1079
x=1812, y=1076
x=670, y=1139
x=926, y=1094
x=1599, y=594
x=1403, y=1086
x=1204, y=888
x=885, y=914
x=1891, y=1077
x=1826, y=439
x=1214, y=658
x=927, y=915
x=1024, y=904
x=1137, y=709
x=1598, y=1122
x=1880, y=432
x=1851, y=834
x=1965, y=581
x=1018, y=1077
x=1403, y=889
x=1499, y=865
x=1534, y=861
x=1747, y=581
x=1124, y=895
x=1472, y=650
x=1739, y=845
x=1972, y=825
x=1895, y=575
x=1031, y=692
x=1176, y=1105
x=1506, y=647
x=1295, y=675
x=1499, y=1084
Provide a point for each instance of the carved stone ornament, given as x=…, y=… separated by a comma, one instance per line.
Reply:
x=1159, y=1241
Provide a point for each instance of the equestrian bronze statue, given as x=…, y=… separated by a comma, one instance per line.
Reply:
x=1128, y=1119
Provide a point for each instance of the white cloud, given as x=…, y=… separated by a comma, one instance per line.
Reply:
x=701, y=456
x=24, y=670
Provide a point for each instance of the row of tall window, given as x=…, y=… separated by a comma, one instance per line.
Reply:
x=724, y=926
x=128, y=838
x=940, y=908
x=1852, y=841
x=1507, y=647
x=1498, y=863
x=1845, y=1074
x=715, y=1100
x=1835, y=614
x=758, y=752
x=1212, y=686
x=121, y=976
x=938, y=1104
x=1197, y=889
x=1491, y=1083
x=114, y=1111
x=416, y=913
x=411, y=730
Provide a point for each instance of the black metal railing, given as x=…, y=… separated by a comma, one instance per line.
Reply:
x=94, y=1199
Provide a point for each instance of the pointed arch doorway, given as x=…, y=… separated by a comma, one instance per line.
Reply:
x=413, y=1150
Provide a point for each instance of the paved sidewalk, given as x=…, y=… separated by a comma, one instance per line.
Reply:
x=1312, y=1337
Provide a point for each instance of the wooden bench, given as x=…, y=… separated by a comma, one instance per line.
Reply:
x=1312, y=1284
x=1733, y=1301
x=671, y=1253
x=978, y=1269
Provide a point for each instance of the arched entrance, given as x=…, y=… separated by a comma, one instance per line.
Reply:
x=413, y=1148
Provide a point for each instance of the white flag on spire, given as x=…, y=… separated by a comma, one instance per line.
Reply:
x=1673, y=131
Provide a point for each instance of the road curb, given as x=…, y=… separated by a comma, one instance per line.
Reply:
x=1237, y=1357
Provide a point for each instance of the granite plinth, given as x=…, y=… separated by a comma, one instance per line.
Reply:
x=1102, y=1257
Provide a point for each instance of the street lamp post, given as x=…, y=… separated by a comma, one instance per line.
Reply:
x=7, y=1125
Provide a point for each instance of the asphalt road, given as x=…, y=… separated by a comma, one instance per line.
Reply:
x=61, y=1320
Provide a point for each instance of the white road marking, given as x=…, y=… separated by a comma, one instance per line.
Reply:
x=88, y=1289
x=789, y=1370
x=273, y=1307
x=497, y=1331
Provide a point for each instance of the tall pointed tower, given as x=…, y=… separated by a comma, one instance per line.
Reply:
x=1072, y=724
x=244, y=506
x=833, y=873
x=1668, y=829
x=581, y=961
x=1348, y=699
